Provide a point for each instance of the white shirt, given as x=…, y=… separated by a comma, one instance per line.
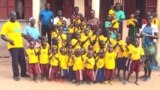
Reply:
x=153, y=27
x=56, y=19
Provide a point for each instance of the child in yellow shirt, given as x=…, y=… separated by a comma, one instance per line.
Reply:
x=76, y=42
x=63, y=63
x=70, y=58
x=54, y=64
x=155, y=20
x=78, y=66
x=89, y=67
x=136, y=57
x=32, y=55
x=100, y=67
x=44, y=57
x=120, y=62
x=110, y=63
x=132, y=25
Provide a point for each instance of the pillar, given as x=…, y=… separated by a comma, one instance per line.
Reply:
x=96, y=7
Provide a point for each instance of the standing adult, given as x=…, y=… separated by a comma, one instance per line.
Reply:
x=31, y=32
x=11, y=33
x=149, y=33
x=59, y=16
x=120, y=15
x=93, y=21
x=45, y=20
x=76, y=17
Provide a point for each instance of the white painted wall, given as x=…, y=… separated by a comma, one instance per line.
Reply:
x=80, y=4
x=96, y=7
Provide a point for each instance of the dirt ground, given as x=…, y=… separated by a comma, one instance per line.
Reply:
x=7, y=83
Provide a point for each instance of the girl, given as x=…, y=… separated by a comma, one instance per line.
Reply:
x=63, y=63
x=78, y=66
x=54, y=64
x=89, y=67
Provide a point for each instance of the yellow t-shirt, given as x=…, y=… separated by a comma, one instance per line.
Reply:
x=126, y=50
x=63, y=61
x=136, y=53
x=155, y=21
x=70, y=61
x=131, y=22
x=70, y=30
x=101, y=37
x=31, y=54
x=110, y=60
x=74, y=42
x=90, y=62
x=44, y=55
x=100, y=63
x=115, y=24
x=118, y=49
x=87, y=43
x=96, y=46
x=54, y=60
x=78, y=65
x=111, y=12
x=13, y=32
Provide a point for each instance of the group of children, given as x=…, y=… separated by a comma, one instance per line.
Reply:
x=81, y=55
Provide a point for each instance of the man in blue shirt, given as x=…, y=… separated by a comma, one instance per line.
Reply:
x=45, y=17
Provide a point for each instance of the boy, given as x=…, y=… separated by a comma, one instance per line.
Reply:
x=44, y=57
x=110, y=63
x=70, y=58
x=136, y=56
x=32, y=54
x=100, y=67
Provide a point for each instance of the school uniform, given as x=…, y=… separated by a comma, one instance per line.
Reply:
x=54, y=67
x=110, y=64
x=100, y=70
x=63, y=65
x=135, y=63
x=120, y=62
x=33, y=65
x=78, y=68
x=89, y=69
x=70, y=68
x=44, y=60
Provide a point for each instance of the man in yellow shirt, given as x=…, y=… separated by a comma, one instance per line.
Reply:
x=11, y=33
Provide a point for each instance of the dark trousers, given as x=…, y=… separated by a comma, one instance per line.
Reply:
x=46, y=30
x=18, y=58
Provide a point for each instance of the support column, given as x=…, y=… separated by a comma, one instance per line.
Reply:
x=158, y=41
x=80, y=4
x=36, y=9
x=96, y=7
